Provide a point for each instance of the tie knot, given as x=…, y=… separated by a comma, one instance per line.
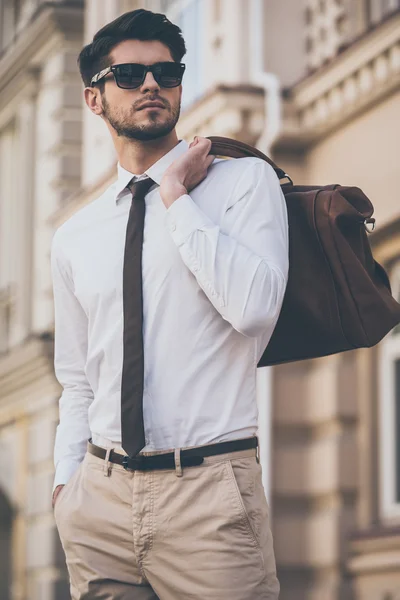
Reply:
x=140, y=188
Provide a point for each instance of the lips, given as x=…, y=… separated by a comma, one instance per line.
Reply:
x=151, y=105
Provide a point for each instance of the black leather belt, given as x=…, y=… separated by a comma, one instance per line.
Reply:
x=188, y=458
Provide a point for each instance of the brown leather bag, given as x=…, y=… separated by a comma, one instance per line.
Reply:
x=337, y=297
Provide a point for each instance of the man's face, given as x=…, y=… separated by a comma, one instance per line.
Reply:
x=121, y=108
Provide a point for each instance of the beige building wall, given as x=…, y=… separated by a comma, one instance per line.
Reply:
x=372, y=140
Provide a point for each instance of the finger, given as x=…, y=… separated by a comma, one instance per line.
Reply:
x=203, y=142
x=210, y=159
x=195, y=141
x=206, y=142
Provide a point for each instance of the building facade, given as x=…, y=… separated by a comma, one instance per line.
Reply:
x=316, y=85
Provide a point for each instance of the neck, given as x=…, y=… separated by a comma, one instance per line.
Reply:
x=136, y=156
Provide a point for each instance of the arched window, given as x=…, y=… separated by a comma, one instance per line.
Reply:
x=389, y=413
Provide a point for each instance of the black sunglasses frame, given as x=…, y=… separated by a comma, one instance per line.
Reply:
x=156, y=70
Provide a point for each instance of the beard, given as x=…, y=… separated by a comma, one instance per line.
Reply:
x=155, y=127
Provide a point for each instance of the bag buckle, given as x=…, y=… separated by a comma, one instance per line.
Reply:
x=367, y=221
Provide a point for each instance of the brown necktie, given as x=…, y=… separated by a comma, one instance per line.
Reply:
x=132, y=426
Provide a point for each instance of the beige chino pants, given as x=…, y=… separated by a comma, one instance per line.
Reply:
x=200, y=533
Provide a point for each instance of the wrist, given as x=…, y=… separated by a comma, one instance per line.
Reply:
x=171, y=191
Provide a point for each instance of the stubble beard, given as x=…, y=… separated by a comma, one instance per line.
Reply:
x=155, y=127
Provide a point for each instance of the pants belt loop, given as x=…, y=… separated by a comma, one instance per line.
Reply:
x=107, y=464
x=178, y=466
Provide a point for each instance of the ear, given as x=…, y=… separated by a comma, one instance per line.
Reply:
x=93, y=100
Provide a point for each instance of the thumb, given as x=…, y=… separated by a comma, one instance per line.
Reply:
x=195, y=141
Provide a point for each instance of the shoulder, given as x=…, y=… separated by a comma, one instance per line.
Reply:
x=242, y=175
x=82, y=218
x=237, y=168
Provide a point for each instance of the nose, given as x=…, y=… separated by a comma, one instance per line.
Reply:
x=149, y=83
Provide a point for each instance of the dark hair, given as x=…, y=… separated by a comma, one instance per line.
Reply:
x=138, y=24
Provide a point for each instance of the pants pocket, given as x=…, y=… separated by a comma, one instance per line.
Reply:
x=246, y=479
x=242, y=482
x=65, y=490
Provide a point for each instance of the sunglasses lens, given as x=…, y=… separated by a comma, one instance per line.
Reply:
x=130, y=76
x=169, y=74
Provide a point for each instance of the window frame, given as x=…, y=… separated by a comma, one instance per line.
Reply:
x=389, y=355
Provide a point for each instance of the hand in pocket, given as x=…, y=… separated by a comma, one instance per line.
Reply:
x=55, y=494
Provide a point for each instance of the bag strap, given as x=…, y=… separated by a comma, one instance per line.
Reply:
x=224, y=146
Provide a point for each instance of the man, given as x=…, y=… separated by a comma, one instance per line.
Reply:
x=158, y=492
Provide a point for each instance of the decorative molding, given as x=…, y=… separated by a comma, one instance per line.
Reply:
x=51, y=24
x=326, y=30
x=363, y=75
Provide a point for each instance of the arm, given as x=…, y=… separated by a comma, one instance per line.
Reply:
x=70, y=351
x=241, y=265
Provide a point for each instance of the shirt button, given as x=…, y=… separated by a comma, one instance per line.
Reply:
x=173, y=226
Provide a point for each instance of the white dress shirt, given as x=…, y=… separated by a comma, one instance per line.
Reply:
x=215, y=267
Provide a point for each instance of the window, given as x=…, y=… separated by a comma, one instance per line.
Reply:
x=389, y=387
x=188, y=15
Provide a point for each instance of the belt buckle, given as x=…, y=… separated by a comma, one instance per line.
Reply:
x=129, y=463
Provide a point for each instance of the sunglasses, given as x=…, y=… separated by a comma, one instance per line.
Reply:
x=129, y=76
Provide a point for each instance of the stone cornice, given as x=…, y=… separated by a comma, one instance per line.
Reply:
x=51, y=24
x=361, y=76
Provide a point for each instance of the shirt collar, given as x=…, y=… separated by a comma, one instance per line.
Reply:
x=156, y=171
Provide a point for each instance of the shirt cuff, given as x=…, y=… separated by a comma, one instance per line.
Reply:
x=184, y=217
x=64, y=471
